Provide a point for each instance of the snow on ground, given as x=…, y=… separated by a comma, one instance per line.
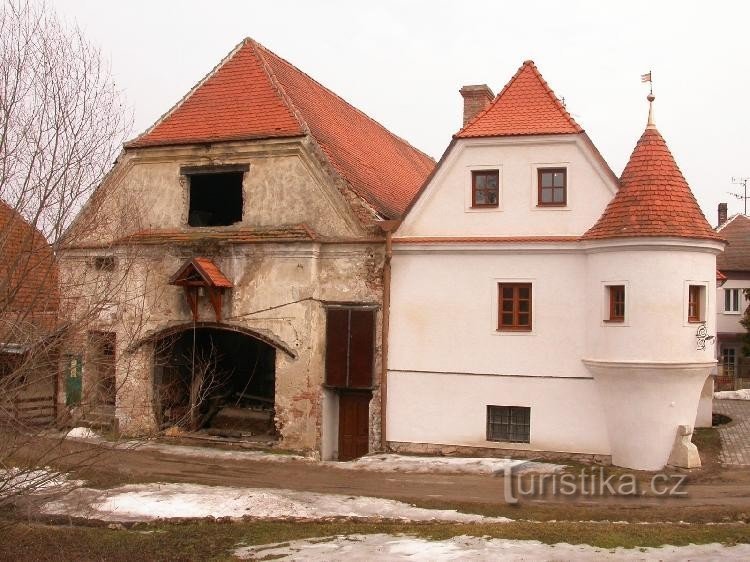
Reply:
x=141, y=502
x=390, y=547
x=85, y=433
x=446, y=465
x=743, y=394
x=14, y=481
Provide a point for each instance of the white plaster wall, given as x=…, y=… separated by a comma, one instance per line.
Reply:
x=444, y=313
x=656, y=326
x=451, y=409
x=706, y=405
x=729, y=322
x=444, y=209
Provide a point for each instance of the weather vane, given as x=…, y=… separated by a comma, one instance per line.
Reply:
x=647, y=78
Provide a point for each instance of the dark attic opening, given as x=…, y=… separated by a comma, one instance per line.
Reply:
x=218, y=381
x=215, y=198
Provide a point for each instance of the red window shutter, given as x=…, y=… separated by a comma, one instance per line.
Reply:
x=361, y=347
x=337, y=343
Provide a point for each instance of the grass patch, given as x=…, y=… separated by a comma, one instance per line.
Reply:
x=216, y=540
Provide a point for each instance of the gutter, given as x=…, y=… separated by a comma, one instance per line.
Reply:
x=387, y=226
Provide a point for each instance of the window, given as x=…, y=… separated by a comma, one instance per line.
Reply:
x=215, y=198
x=514, y=307
x=485, y=188
x=553, y=184
x=695, y=307
x=104, y=263
x=728, y=361
x=732, y=300
x=616, y=303
x=508, y=423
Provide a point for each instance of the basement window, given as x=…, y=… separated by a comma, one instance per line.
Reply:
x=509, y=424
x=215, y=198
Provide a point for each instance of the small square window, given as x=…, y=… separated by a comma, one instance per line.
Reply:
x=695, y=303
x=215, y=199
x=104, y=263
x=509, y=423
x=514, y=307
x=616, y=303
x=731, y=300
x=553, y=187
x=485, y=188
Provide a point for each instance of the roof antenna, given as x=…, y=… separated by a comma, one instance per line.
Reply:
x=650, y=97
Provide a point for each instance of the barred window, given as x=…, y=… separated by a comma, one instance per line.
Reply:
x=508, y=423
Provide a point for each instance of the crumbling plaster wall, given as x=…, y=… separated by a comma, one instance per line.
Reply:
x=280, y=288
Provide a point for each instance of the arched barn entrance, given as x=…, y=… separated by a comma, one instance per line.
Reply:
x=215, y=379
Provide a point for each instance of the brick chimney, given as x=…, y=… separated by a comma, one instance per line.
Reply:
x=476, y=99
x=722, y=213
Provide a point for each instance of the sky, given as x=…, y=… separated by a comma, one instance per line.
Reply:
x=403, y=62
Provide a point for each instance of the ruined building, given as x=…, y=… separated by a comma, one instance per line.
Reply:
x=241, y=243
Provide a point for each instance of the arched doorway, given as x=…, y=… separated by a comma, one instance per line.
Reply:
x=217, y=379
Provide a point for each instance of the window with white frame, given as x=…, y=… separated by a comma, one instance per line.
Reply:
x=732, y=301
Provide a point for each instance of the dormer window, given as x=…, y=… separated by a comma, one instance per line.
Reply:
x=485, y=188
x=553, y=186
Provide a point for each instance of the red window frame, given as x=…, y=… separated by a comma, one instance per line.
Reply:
x=476, y=174
x=552, y=203
x=616, y=303
x=514, y=307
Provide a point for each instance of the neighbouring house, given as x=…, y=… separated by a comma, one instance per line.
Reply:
x=245, y=267
x=538, y=302
x=29, y=327
x=734, y=278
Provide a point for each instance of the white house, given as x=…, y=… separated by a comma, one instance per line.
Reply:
x=538, y=302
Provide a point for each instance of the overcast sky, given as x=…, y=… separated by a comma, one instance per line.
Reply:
x=403, y=63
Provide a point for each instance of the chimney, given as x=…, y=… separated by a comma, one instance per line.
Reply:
x=476, y=98
x=722, y=213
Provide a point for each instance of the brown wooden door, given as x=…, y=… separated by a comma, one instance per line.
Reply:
x=354, y=415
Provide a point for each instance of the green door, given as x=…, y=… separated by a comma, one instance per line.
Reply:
x=73, y=380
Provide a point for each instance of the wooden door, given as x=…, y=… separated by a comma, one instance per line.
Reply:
x=354, y=416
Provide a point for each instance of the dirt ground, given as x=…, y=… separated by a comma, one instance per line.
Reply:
x=713, y=493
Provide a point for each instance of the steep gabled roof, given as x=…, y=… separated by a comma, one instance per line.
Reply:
x=526, y=106
x=254, y=94
x=736, y=256
x=654, y=199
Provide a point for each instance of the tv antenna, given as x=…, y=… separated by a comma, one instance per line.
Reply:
x=743, y=195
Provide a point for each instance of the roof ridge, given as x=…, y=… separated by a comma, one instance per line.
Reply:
x=334, y=94
x=258, y=48
x=553, y=96
x=189, y=93
x=729, y=220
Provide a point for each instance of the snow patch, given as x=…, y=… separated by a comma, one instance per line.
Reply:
x=82, y=433
x=392, y=547
x=446, y=465
x=742, y=394
x=141, y=502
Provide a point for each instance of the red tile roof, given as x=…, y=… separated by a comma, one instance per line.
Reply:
x=212, y=273
x=255, y=94
x=29, y=292
x=245, y=235
x=206, y=269
x=526, y=106
x=654, y=199
x=736, y=256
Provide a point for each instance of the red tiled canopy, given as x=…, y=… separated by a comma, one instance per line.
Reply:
x=526, y=106
x=207, y=270
x=654, y=199
x=254, y=94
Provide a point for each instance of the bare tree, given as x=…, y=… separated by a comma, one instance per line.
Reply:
x=62, y=120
